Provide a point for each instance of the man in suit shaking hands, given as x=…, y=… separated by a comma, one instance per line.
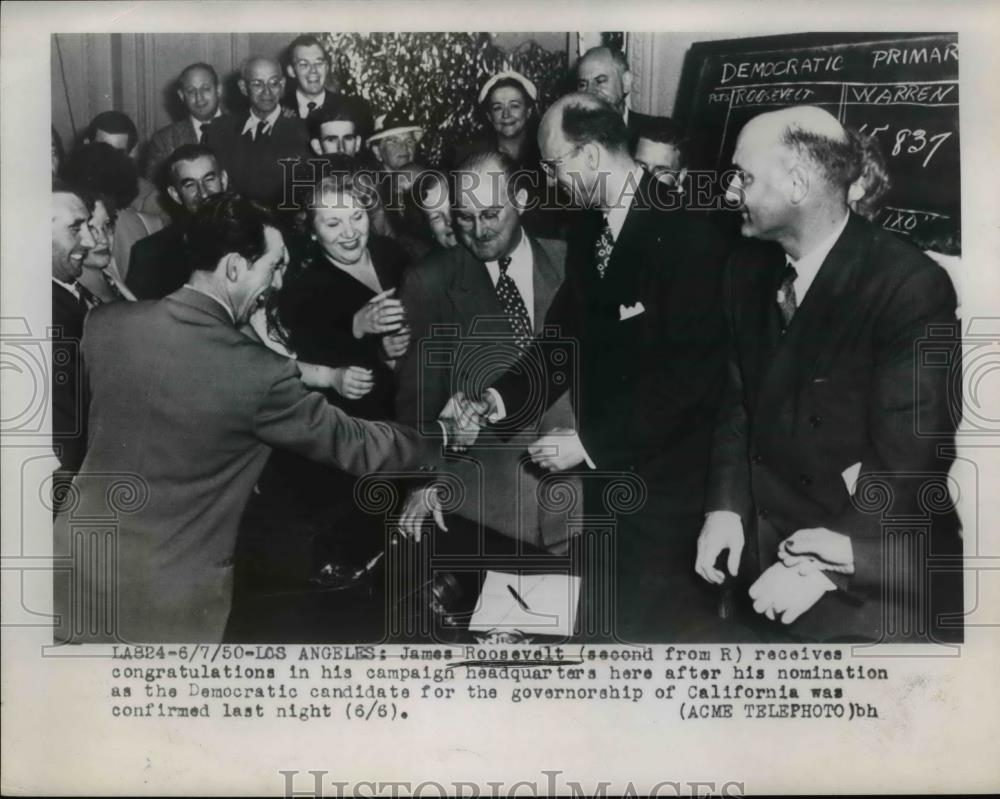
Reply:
x=185, y=408
x=830, y=456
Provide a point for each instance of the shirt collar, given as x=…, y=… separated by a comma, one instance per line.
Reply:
x=270, y=119
x=616, y=215
x=813, y=260
x=304, y=100
x=215, y=299
x=72, y=288
x=196, y=124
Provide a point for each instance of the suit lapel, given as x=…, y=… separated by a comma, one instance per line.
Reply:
x=815, y=329
x=472, y=292
x=545, y=280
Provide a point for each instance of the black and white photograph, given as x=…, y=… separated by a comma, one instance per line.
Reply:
x=615, y=389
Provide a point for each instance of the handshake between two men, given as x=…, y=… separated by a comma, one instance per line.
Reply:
x=462, y=419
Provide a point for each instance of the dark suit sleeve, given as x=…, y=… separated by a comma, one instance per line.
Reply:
x=907, y=399
x=728, y=485
x=290, y=417
x=415, y=403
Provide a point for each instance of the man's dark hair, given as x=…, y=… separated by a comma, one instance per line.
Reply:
x=199, y=65
x=227, y=223
x=839, y=161
x=345, y=109
x=115, y=123
x=664, y=130
x=305, y=40
x=598, y=123
x=186, y=152
x=60, y=186
x=103, y=172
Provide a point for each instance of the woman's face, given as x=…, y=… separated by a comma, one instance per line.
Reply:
x=340, y=225
x=508, y=111
x=103, y=230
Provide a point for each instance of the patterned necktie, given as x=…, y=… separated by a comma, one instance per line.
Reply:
x=602, y=249
x=513, y=305
x=786, y=295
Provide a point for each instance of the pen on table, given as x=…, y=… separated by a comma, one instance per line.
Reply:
x=517, y=597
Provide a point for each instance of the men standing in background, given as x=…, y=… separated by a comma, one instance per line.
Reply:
x=604, y=72
x=832, y=427
x=251, y=148
x=199, y=90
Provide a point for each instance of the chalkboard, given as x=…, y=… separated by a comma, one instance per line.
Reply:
x=903, y=88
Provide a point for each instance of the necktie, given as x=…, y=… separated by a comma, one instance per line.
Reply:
x=310, y=107
x=786, y=295
x=260, y=129
x=513, y=305
x=203, y=128
x=602, y=249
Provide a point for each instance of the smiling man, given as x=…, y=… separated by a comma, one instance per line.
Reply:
x=830, y=399
x=251, y=148
x=71, y=241
x=199, y=90
x=192, y=424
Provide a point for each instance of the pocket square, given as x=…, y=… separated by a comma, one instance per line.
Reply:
x=628, y=311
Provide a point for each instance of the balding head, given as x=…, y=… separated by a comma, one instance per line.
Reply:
x=795, y=166
x=604, y=73
x=263, y=83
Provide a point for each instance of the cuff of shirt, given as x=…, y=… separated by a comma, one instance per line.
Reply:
x=501, y=409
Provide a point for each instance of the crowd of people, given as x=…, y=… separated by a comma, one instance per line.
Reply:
x=270, y=305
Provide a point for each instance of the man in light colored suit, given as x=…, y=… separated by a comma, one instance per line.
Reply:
x=185, y=410
x=494, y=291
x=198, y=88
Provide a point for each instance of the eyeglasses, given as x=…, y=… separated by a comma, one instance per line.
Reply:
x=489, y=217
x=549, y=164
x=258, y=85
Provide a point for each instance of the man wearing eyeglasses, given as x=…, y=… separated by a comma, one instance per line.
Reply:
x=493, y=290
x=251, y=148
x=642, y=299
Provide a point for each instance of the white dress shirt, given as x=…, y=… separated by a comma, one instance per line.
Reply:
x=304, y=100
x=253, y=120
x=196, y=124
x=617, y=214
x=70, y=287
x=521, y=271
x=808, y=265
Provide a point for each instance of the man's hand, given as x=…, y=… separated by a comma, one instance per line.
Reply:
x=353, y=382
x=722, y=530
x=817, y=548
x=463, y=418
x=786, y=593
x=395, y=345
x=381, y=314
x=421, y=503
x=558, y=449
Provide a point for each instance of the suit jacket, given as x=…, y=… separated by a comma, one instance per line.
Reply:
x=451, y=292
x=185, y=411
x=69, y=414
x=650, y=359
x=845, y=386
x=636, y=124
x=160, y=264
x=332, y=100
x=254, y=167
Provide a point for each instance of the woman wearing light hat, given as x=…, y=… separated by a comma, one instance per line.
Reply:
x=508, y=101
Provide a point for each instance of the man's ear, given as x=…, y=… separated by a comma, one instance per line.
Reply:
x=180, y=95
x=593, y=155
x=377, y=149
x=224, y=179
x=174, y=195
x=798, y=180
x=243, y=87
x=235, y=264
x=290, y=71
x=520, y=200
x=627, y=81
x=314, y=143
